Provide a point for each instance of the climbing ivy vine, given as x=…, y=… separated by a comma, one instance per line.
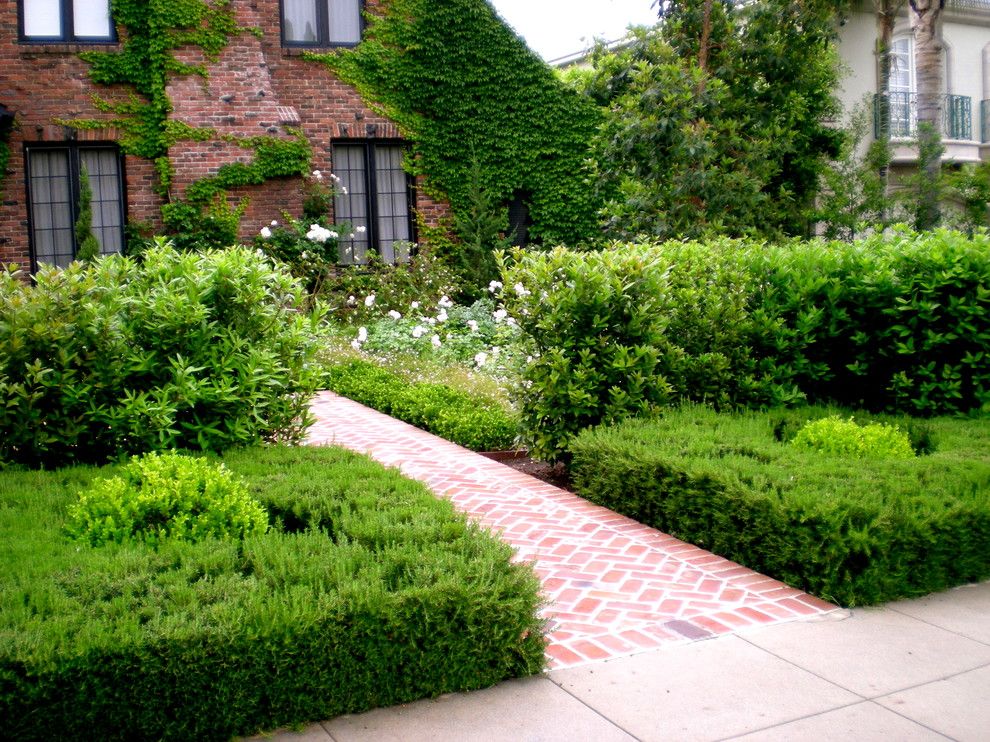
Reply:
x=463, y=88
x=151, y=32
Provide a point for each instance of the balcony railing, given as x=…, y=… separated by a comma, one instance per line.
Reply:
x=985, y=121
x=901, y=111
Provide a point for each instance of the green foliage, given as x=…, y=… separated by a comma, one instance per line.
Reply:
x=595, y=324
x=449, y=333
x=849, y=530
x=424, y=278
x=717, y=124
x=195, y=227
x=893, y=322
x=481, y=227
x=177, y=350
x=968, y=206
x=853, y=195
x=309, y=260
x=462, y=85
x=88, y=246
x=469, y=421
x=366, y=591
x=834, y=436
x=163, y=497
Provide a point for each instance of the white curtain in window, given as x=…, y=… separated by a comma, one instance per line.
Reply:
x=392, y=200
x=91, y=18
x=345, y=21
x=43, y=18
x=351, y=207
x=299, y=20
x=51, y=208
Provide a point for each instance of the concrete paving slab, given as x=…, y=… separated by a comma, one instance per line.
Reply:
x=965, y=610
x=528, y=710
x=862, y=721
x=701, y=691
x=874, y=652
x=957, y=706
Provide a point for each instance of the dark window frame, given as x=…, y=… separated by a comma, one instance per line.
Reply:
x=66, y=8
x=371, y=197
x=323, y=22
x=73, y=148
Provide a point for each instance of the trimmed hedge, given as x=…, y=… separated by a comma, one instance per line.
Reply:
x=201, y=351
x=849, y=530
x=367, y=591
x=464, y=419
x=897, y=322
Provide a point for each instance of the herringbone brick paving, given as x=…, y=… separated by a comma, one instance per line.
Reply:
x=615, y=586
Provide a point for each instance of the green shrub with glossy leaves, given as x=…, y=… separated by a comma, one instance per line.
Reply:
x=173, y=350
x=896, y=322
x=834, y=436
x=166, y=497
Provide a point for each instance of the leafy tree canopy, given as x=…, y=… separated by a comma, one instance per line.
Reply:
x=718, y=118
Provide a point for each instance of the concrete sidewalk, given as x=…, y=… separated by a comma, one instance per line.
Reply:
x=912, y=670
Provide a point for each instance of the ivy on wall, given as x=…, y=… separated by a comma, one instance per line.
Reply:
x=151, y=32
x=463, y=88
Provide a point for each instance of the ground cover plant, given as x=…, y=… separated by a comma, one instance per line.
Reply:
x=896, y=322
x=849, y=529
x=365, y=591
x=470, y=420
x=173, y=350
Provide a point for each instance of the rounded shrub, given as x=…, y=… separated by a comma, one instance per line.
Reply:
x=167, y=496
x=837, y=437
x=200, y=351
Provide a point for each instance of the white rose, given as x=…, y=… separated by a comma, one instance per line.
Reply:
x=266, y=232
x=369, y=300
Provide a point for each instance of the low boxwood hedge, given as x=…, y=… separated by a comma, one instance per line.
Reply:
x=851, y=530
x=469, y=421
x=366, y=591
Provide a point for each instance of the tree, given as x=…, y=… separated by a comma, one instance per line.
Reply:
x=718, y=118
x=88, y=247
x=928, y=55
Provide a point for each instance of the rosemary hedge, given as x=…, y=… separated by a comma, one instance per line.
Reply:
x=851, y=530
x=366, y=591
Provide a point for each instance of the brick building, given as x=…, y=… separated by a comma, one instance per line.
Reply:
x=259, y=86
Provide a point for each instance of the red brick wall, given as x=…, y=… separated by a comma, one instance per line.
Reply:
x=241, y=97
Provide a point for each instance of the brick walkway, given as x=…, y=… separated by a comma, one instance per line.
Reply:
x=615, y=586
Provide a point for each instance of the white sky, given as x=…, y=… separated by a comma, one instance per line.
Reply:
x=556, y=28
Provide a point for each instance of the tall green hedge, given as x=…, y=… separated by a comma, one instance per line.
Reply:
x=366, y=591
x=851, y=530
x=465, y=88
x=897, y=322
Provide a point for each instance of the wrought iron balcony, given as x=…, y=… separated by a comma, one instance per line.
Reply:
x=900, y=111
x=985, y=121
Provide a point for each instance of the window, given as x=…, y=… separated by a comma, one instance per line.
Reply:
x=53, y=198
x=66, y=20
x=321, y=22
x=374, y=199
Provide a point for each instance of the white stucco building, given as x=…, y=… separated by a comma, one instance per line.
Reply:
x=966, y=106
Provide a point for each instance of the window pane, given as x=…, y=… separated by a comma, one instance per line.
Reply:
x=51, y=208
x=91, y=19
x=900, y=66
x=392, y=201
x=352, y=207
x=103, y=169
x=43, y=18
x=299, y=21
x=345, y=21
